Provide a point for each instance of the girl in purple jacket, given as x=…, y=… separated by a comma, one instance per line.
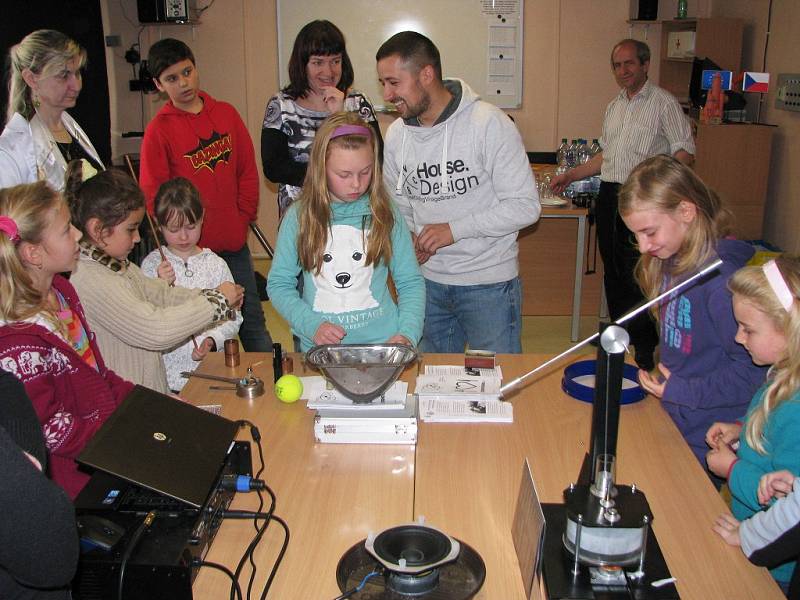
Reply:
x=680, y=226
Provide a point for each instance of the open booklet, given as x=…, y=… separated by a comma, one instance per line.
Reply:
x=459, y=370
x=320, y=395
x=458, y=387
x=454, y=394
x=435, y=410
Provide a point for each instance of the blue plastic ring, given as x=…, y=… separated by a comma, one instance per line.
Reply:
x=585, y=393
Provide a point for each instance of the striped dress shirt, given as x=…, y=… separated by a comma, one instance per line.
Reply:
x=650, y=123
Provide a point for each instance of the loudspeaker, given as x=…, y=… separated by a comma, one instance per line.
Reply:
x=412, y=548
x=414, y=561
x=648, y=10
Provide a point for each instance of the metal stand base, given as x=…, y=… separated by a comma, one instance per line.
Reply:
x=562, y=584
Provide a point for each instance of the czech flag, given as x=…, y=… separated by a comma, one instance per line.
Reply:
x=755, y=82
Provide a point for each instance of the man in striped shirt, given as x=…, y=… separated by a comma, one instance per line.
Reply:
x=643, y=120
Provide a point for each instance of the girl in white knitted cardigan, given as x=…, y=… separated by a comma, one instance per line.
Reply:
x=135, y=318
x=179, y=213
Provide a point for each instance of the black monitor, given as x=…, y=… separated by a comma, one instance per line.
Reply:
x=697, y=95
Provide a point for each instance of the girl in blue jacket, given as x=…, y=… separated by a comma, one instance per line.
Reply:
x=345, y=237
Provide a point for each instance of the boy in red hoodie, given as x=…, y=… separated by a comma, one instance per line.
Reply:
x=196, y=137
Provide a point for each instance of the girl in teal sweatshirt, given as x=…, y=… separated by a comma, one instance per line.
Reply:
x=345, y=237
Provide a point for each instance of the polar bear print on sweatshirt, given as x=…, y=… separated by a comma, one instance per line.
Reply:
x=343, y=282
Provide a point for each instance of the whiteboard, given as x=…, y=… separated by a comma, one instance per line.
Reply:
x=480, y=41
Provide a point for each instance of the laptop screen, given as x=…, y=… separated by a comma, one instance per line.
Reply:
x=163, y=444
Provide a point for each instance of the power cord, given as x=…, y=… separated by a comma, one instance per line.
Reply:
x=360, y=586
x=255, y=434
x=234, y=583
x=248, y=553
x=278, y=560
x=130, y=547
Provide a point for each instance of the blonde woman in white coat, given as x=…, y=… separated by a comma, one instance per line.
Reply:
x=40, y=138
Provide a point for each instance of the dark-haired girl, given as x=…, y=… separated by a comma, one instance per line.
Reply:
x=135, y=318
x=320, y=76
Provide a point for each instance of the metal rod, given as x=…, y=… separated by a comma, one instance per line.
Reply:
x=516, y=382
x=645, y=527
x=578, y=528
x=212, y=377
x=262, y=239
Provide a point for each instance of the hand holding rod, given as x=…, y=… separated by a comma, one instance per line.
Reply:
x=152, y=227
x=518, y=381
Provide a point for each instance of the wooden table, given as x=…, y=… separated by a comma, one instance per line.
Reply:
x=557, y=240
x=464, y=479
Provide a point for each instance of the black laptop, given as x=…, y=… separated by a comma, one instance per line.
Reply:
x=162, y=444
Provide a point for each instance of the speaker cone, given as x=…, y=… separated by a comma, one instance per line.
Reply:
x=416, y=545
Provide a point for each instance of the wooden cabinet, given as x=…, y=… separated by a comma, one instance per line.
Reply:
x=733, y=160
x=717, y=39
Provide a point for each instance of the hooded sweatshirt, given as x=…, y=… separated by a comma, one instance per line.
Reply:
x=712, y=377
x=471, y=171
x=347, y=292
x=213, y=150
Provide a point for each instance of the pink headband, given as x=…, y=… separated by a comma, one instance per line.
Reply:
x=778, y=284
x=351, y=130
x=9, y=227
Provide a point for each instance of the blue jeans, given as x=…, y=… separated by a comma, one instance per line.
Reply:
x=253, y=333
x=487, y=317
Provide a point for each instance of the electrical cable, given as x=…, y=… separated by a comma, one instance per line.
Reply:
x=200, y=11
x=253, y=566
x=224, y=569
x=252, y=561
x=141, y=90
x=248, y=553
x=246, y=514
x=764, y=62
x=278, y=560
x=129, y=548
x=360, y=586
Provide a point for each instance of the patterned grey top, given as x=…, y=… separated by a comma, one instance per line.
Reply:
x=300, y=126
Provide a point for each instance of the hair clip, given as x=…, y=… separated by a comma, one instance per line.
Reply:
x=778, y=284
x=351, y=130
x=87, y=170
x=9, y=227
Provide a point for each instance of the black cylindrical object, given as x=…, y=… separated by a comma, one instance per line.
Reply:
x=607, y=391
x=277, y=361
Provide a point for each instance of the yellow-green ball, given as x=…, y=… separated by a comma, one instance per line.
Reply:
x=289, y=388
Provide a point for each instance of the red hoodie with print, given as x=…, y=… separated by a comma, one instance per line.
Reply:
x=214, y=151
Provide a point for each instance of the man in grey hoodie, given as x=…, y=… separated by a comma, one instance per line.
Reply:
x=457, y=169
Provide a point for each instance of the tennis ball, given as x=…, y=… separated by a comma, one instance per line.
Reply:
x=289, y=388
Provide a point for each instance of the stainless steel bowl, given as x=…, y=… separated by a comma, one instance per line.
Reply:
x=361, y=372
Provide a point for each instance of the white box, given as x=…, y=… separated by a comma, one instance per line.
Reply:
x=368, y=426
x=680, y=44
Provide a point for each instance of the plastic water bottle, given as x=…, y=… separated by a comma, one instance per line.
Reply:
x=595, y=147
x=583, y=152
x=561, y=153
x=571, y=154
